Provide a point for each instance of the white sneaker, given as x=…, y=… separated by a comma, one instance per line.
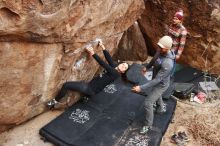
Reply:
x=162, y=109
x=144, y=130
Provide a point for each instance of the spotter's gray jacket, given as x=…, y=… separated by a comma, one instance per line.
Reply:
x=163, y=76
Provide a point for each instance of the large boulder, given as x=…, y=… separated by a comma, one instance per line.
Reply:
x=66, y=20
x=28, y=77
x=42, y=45
x=32, y=73
x=202, y=20
x=132, y=45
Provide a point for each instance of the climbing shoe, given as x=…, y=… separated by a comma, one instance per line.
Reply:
x=162, y=109
x=176, y=139
x=183, y=136
x=144, y=130
x=51, y=104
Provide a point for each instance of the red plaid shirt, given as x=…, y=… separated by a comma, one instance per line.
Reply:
x=178, y=34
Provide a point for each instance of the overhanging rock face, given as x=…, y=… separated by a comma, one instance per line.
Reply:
x=66, y=20
x=41, y=47
x=202, y=20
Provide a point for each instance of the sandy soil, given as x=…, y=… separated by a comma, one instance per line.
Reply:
x=197, y=121
x=200, y=122
x=27, y=133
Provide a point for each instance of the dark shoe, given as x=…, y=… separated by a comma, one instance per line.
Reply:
x=173, y=138
x=177, y=140
x=51, y=104
x=183, y=136
x=85, y=99
x=144, y=130
x=162, y=109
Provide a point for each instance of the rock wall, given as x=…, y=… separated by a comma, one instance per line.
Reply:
x=132, y=45
x=65, y=20
x=42, y=46
x=28, y=77
x=202, y=20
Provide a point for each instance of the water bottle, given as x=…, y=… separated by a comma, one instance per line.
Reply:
x=192, y=97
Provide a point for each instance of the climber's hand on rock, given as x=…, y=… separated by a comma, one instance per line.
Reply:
x=90, y=50
x=101, y=45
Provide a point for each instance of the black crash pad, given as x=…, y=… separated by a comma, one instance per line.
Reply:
x=105, y=132
x=161, y=120
x=127, y=105
x=194, y=76
x=103, y=120
x=154, y=136
x=70, y=125
x=187, y=74
x=133, y=138
x=108, y=96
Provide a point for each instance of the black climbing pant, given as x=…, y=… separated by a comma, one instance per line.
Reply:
x=80, y=86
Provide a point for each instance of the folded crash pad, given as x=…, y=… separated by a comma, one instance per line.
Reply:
x=134, y=74
x=104, y=120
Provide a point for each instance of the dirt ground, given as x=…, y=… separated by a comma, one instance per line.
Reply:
x=27, y=133
x=200, y=122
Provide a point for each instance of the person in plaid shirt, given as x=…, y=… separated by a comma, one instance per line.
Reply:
x=178, y=33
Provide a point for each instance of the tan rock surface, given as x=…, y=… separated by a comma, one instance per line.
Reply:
x=132, y=45
x=202, y=20
x=31, y=70
x=28, y=77
x=32, y=73
x=66, y=20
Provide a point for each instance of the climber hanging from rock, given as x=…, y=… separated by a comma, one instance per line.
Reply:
x=112, y=72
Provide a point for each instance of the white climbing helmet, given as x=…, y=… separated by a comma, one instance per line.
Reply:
x=165, y=42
